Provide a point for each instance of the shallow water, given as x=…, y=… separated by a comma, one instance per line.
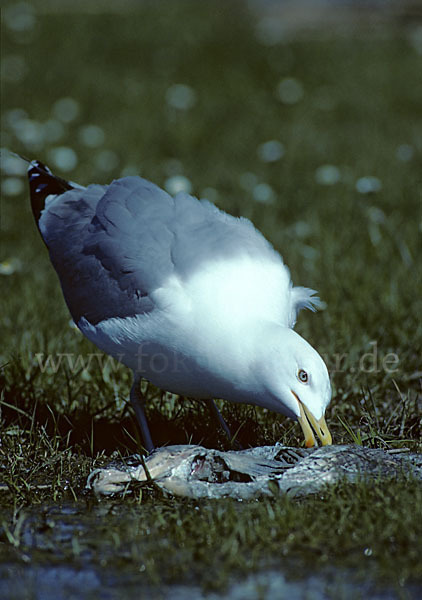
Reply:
x=56, y=582
x=61, y=553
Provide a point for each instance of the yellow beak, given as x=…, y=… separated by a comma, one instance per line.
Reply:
x=320, y=426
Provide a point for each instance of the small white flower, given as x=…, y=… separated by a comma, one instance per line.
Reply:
x=308, y=252
x=8, y=267
x=63, y=158
x=263, y=193
x=66, y=109
x=14, y=116
x=19, y=17
x=415, y=38
x=12, y=165
x=270, y=151
x=301, y=229
x=30, y=133
x=368, y=185
x=12, y=186
x=91, y=135
x=327, y=175
x=290, y=90
x=270, y=31
x=178, y=183
x=405, y=152
x=181, y=96
x=376, y=215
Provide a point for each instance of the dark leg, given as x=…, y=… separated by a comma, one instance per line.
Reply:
x=219, y=418
x=138, y=401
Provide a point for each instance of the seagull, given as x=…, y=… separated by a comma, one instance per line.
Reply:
x=190, y=298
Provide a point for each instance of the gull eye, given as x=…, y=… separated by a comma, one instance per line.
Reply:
x=302, y=376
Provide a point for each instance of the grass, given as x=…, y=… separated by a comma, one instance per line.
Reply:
x=206, y=542
x=360, y=113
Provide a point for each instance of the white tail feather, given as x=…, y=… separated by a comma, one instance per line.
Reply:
x=302, y=297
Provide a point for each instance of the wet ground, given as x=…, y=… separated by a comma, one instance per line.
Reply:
x=64, y=552
x=62, y=581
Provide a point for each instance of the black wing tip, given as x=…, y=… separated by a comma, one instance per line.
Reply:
x=43, y=183
x=36, y=168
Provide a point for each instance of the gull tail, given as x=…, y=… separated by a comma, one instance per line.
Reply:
x=43, y=183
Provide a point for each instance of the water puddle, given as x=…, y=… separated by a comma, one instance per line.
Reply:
x=78, y=551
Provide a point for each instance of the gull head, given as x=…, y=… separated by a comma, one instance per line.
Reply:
x=297, y=382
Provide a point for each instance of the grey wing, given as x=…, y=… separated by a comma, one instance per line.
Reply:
x=202, y=233
x=109, y=246
x=113, y=246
